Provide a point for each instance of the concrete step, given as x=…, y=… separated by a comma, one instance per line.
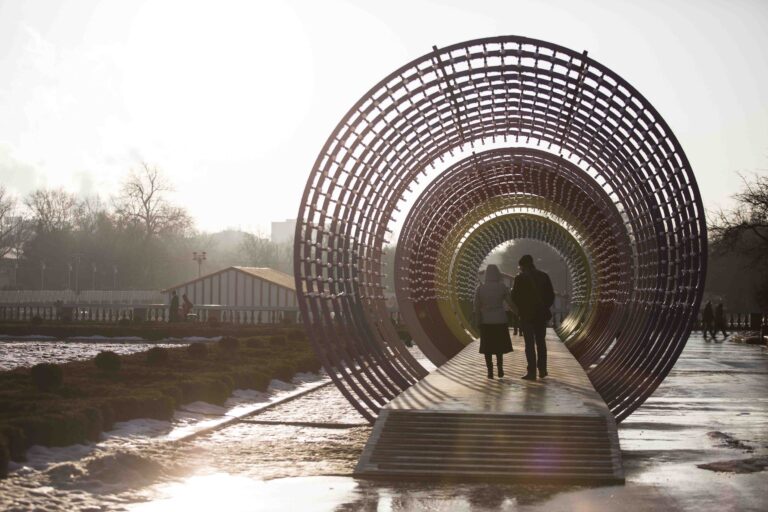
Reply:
x=484, y=475
x=488, y=436
x=447, y=425
x=501, y=451
x=499, y=468
x=510, y=447
x=503, y=464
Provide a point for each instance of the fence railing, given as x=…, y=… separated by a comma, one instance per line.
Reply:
x=244, y=315
x=146, y=313
x=740, y=322
x=51, y=297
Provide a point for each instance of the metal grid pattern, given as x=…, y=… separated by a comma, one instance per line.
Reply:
x=559, y=136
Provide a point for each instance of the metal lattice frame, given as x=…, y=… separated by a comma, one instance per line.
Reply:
x=480, y=187
x=568, y=152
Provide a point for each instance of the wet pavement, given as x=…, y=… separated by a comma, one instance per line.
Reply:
x=713, y=407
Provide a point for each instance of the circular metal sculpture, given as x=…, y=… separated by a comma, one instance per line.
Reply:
x=528, y=140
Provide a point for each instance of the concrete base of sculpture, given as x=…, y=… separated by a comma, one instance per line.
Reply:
x=456, y=424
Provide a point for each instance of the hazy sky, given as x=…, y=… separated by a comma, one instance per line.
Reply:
x=234, y=99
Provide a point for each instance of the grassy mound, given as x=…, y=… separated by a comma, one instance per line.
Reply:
x=88, y=400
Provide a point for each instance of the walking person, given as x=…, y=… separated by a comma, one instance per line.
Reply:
x=186, y=307
x=490, y=316
x=514, y=322
x=708, y=320
x=173, y=311
x=719, y=321
x=533, y=295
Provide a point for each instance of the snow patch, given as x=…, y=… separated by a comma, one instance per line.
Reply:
x=32, y=337
x=279, y=385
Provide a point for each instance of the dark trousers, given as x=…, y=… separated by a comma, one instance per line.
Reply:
x=535, y=335
x=719, y=326
x=489, y=362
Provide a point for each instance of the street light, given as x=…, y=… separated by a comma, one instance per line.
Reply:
x=114, y=277
x=199, y=257
x=93, y=281
x=69, y=276
x=42, y=275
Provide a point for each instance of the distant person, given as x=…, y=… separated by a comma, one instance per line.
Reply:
x=57, y=309
x=491, y=318
x=708, y=320
x=719, y=321
x=533, y=295
x=514, y=322
x=186, y=306
x=173, y=312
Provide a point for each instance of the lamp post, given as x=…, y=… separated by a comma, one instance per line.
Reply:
x=42, y=275
x=69, y=276
x=199, y=257
x=114, y=277
x=93, y=279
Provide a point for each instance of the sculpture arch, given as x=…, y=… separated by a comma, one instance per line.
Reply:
x=524, y=135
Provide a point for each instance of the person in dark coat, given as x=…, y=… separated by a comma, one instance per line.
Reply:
x=719, y=321
x=533, y=295
x=514, y=322
x=173, y=312
x=708, y=320
x=490, y=316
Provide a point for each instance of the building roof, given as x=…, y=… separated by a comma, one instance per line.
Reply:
x=268, y=274
x=271, y=275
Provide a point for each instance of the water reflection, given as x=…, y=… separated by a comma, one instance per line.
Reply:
x=234, y=493
x=336, y=493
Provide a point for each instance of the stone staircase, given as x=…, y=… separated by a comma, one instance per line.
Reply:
x=507, y=447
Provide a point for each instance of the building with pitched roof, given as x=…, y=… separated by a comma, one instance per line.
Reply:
x=243, y=290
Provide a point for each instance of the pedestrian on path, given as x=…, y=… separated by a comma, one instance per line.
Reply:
x=708, y=320
x=173, y=310
x=186, y=307
x=491, y=318
x=719, y=321
x=533, y=295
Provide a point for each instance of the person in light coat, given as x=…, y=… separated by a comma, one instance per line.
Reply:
x=491, y=318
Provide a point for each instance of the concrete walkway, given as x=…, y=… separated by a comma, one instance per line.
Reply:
x=458, y=424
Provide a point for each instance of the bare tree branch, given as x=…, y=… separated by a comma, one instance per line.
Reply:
x=11, y=223
x=52, y=209
x=143, y=203
x=745, y=227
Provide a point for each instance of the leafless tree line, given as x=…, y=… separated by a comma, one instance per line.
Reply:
x=138, y=239
x=738, y=269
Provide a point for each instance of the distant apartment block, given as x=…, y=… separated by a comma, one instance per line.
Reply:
x=283, y=231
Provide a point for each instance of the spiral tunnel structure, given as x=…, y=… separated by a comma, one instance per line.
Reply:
x=526, y=140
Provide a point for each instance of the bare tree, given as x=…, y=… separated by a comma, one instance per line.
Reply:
x=744, y=228
x=11, y=223
x=143, y=203
x=740, y=240
x=90, y=212
x=52, y=209
x=259, y=251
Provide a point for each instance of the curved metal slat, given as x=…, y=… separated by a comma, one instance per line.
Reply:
x=556, y=134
